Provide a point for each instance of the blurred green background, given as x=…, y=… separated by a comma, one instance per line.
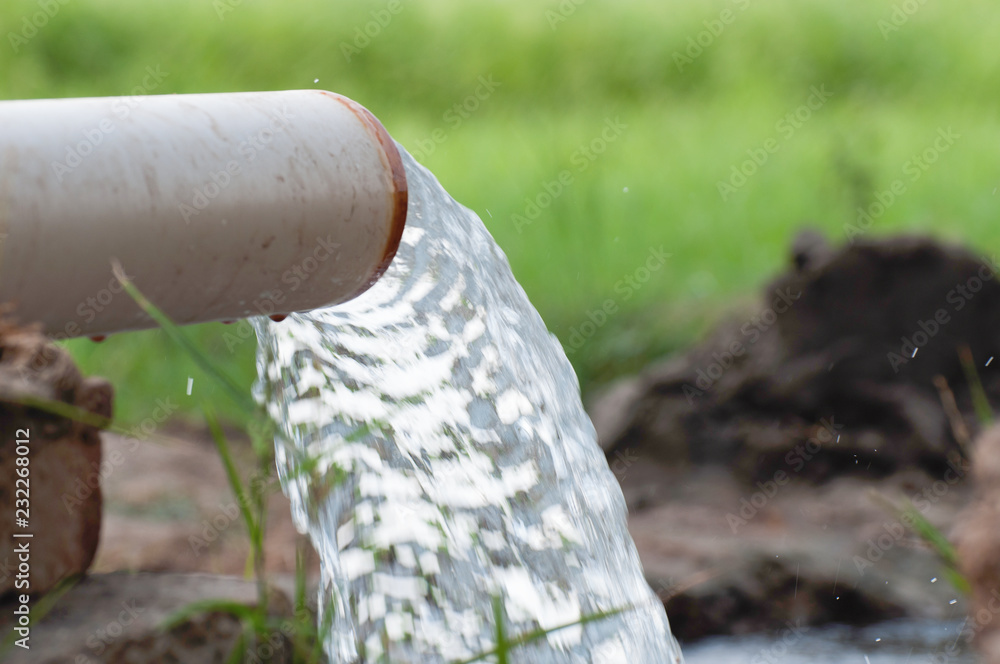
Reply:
x=694, y=89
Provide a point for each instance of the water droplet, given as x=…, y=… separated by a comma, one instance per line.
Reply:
x=934, y=580
x=190, y=385
x=315, y=80
x=954, y=601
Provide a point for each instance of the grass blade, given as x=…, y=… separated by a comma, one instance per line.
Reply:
x=173, y=331
x=243, y=612
x=910, y=517
x=41, y=609
x=65, y=410
x=235, y=483
x=505, y=645
x=984, y=413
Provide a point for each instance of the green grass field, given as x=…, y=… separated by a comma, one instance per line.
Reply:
x=643, y=107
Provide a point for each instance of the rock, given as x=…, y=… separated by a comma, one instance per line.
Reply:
x=978, y=547
x=116, y=619
x=62, y=482
x=756, y=465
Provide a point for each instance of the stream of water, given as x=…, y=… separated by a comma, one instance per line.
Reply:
x=434, y=447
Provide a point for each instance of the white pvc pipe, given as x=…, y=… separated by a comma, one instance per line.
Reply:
x=219, y=206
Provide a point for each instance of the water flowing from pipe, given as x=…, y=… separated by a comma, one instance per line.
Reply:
x=434, y=447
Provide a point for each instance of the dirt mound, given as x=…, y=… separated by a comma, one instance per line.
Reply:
x=757, y=466
x=838, y=371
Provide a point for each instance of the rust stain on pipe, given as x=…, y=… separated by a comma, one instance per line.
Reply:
x=400, y=191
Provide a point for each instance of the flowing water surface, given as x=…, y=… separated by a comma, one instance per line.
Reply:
x=433, y=445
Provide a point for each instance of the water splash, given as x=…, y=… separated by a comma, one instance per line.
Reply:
x=434, y=447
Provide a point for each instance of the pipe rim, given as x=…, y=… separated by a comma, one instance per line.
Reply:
x=400, y=190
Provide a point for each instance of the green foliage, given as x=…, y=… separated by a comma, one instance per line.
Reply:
x=559, y=80
x=980, y=402
x=505, y=644
x=909, y=516
x=147, y=367
x=939, y=544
